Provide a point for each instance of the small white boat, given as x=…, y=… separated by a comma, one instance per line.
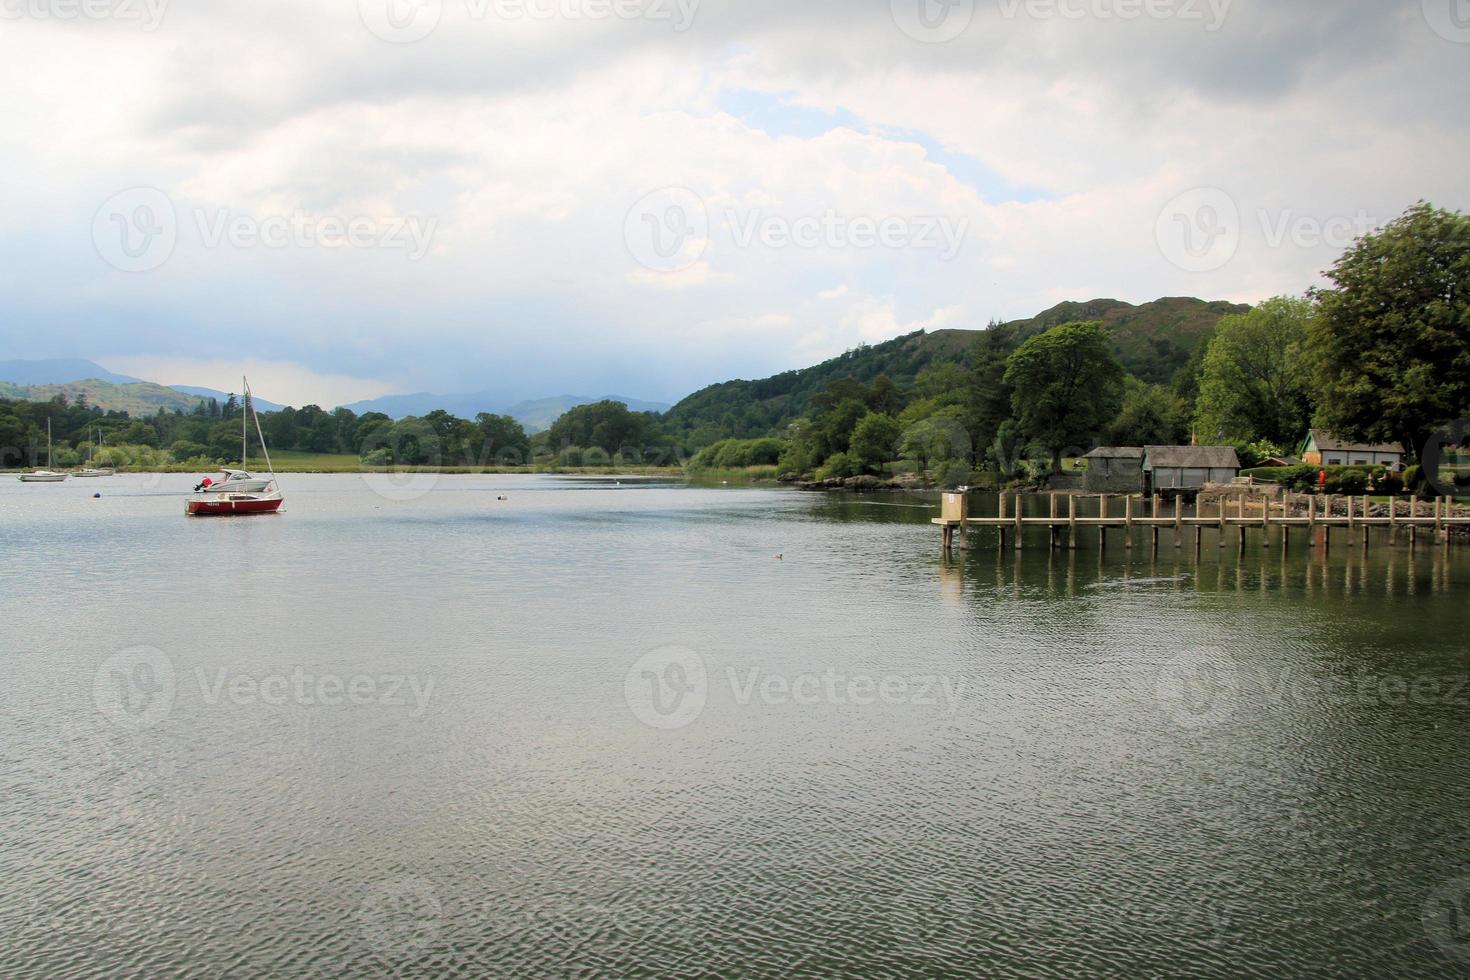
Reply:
x=95, y=471
x=233, y=481
x=43, y=476
x=47, y=475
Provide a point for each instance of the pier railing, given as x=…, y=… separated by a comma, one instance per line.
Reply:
x=1318, y=514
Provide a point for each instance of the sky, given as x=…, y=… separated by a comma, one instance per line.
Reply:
x=346, y=198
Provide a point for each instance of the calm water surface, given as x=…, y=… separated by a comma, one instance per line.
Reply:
x=601, y=729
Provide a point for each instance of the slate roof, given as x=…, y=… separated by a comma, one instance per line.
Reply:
x=1329, y=443
x=1191, y=457
x=1116, y=452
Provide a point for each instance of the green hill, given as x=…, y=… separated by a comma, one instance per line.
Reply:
x=1152, y=340
x=138, y=399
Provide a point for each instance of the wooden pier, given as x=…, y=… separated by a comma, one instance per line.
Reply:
x=1319, y=515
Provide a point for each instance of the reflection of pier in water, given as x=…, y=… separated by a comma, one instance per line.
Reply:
x=1067, y=573
x=1319, y=516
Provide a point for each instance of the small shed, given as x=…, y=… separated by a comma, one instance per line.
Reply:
x=1188, y=467
x=1114, y=469
x=1322, y=448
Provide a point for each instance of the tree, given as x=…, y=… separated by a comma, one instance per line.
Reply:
x=503, y=439
x=989, y=406
x=1393, y=337
x=1066, y=385
x=1257, y=377
x=1152, y=415
x=836, y=425
x=875, y=441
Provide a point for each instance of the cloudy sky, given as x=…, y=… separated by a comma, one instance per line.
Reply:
x=352, y=197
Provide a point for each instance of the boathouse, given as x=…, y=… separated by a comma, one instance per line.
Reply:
x=1322, y=448
x=1114, y=469
x=1188, y=467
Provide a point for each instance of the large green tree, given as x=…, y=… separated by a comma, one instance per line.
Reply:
x=1393, y=335
x=1066, y=386
x=1257, y=377
x=875, y=441
x=1152, y=415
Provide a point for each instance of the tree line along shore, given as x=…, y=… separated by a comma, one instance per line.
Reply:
x=1380, y=355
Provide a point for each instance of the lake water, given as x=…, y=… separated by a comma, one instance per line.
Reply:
x=601, y=729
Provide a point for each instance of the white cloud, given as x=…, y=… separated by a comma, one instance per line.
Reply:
x=1056, y=142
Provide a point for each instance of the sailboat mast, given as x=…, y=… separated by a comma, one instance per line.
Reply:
x=244, y=433
x=48, y=442
x=263, y=447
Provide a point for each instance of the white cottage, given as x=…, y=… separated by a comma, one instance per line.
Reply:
x=1322, y=448
x=1188, y=467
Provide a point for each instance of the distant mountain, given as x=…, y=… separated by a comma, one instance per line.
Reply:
x=1152, y=340
x=536, y=415
x=60, y=370
x=74, y=370
x=137, y=399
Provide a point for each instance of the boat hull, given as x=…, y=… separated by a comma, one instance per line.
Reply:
x=232, y=506
x=43, y=477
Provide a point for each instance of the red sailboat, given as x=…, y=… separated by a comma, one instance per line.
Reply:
x=239, y=494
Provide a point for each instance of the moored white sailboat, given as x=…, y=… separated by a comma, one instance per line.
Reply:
x=95, y=471
x=48, y=475
x=239, y=493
